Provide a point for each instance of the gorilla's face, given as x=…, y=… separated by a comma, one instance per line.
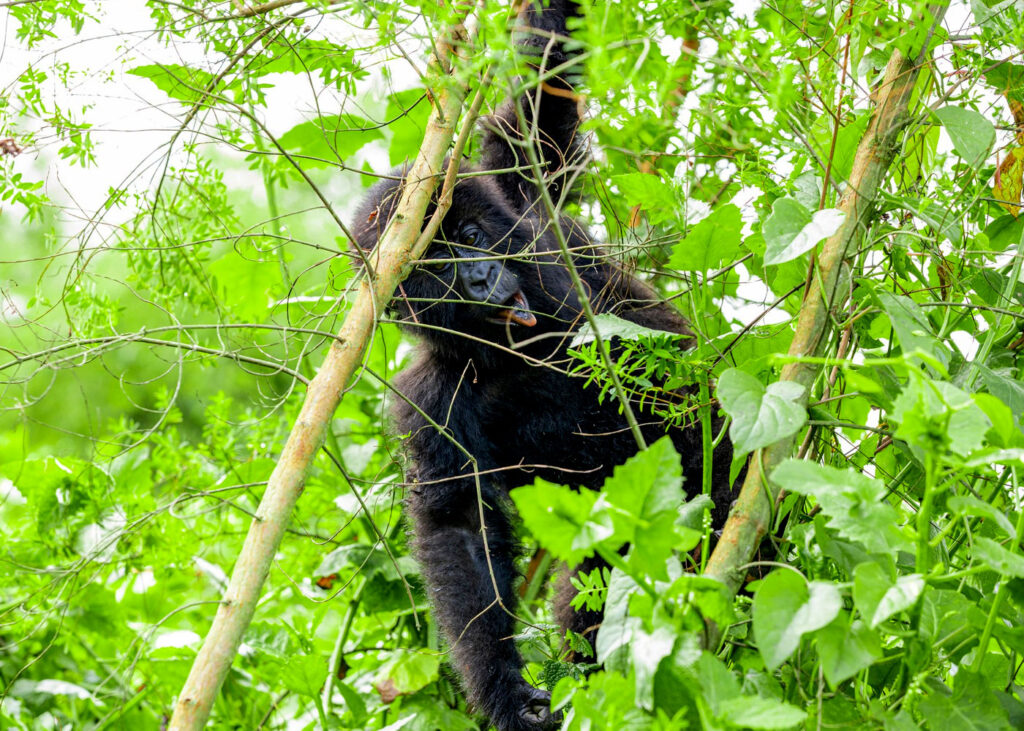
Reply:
x=490, y=273
x=470, y=280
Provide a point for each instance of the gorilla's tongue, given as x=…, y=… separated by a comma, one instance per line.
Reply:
x=519, y=312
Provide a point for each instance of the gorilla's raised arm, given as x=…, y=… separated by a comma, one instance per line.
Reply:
x=549, y=107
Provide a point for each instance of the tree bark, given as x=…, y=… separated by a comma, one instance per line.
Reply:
x=751, y=517
x=387, y=264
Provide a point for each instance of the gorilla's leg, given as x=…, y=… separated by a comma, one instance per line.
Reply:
x=584, y=622
x=461, y=584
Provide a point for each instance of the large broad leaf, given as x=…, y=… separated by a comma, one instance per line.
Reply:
x=183, y=83
x=972, y=134
x=713, y=241
x=568, y=523
x=846, y=648
x=760, y=415
x=786, y=607
x=913, y=330
x=970, y=505
x=407, y=113
x=305, y=674
x=877, y=598
x=973, y=706
x=638, y=505
x=763, y=714
x=657, y=197
x=406, y=671
x=645, y=494
x=998, y=558
x=613, y=326
x=330, y=139
x=792, y=230
x=853, y=502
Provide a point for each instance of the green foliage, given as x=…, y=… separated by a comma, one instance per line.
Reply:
x=176, y=191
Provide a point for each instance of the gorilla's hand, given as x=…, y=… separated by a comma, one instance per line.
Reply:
x=527, y=709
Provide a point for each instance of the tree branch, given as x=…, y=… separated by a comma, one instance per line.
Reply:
x=751, y=517
x=400, y=244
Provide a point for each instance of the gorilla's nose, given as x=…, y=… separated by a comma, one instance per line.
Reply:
x=479, y=278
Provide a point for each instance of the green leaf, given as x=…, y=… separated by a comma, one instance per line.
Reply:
x=970, y=505
x=998, y=558
x=972, y=134
x=645, y=492
x=786, y=607
x=846, y=648
x=406, y=671
x=760, y=416
x=853, y=502
x=305, y=675
x=757, y=712
x=971, y=707
x=714, y=240
x=618, y=627
x=791, y=230
x=657, y=197
x=647, y=650
x=877, y=598
x=568, y=523
x=183, y=83
x=913, y=330
x=409, y=111
x=325, y=141
x=613, y=326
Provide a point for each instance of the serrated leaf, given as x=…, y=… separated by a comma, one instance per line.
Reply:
x=657, y=197
x=853, y=502
x=305, y=674
x=760, y=416
x=568, y=523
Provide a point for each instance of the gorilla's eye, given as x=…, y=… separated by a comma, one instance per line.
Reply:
x=471, y=235
x=437, y=262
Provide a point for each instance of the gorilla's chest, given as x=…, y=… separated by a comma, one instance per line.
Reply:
x=554, y=428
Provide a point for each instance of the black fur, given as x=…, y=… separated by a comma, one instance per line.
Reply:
x=512, y=408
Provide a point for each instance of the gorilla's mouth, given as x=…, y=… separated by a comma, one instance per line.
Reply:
x=516, y=310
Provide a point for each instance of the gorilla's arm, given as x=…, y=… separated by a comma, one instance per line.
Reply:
x=462, y=564
x=550, y=110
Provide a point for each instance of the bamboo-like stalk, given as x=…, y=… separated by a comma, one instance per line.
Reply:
x=751, y=516
x=401, y=243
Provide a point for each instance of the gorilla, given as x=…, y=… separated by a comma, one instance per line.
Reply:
x=487, y=403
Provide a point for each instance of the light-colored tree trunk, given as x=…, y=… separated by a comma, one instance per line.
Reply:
x=400, y=244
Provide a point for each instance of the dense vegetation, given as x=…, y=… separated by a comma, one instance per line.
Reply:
x=174, y=191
